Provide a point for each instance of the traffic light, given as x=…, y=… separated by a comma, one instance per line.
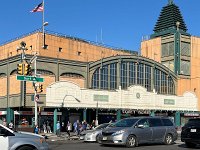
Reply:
x=41, y=88
x=20, y=68
x=27, y=69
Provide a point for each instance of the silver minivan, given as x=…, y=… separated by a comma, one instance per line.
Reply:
x=137, y=130
x=11, y=140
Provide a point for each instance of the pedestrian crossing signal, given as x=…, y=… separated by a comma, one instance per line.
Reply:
x=41, y=88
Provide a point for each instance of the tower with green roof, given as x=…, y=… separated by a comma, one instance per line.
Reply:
x=175, y=41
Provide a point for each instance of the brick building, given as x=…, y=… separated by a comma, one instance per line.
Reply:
x=85, y=80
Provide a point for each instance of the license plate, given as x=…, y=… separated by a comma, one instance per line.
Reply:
x=193, y=130
x=104, y=138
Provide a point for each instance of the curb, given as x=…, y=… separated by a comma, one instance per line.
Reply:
x=53, y=137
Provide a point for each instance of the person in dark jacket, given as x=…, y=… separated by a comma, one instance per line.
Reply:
x=36, y=129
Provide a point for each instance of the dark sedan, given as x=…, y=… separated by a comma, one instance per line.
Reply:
x=191, y=132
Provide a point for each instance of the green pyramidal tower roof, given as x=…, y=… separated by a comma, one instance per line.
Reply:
x=169, y=17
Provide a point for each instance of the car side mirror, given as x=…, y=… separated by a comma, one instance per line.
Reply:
x=140, y=126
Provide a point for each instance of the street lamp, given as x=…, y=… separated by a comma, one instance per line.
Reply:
x=71, y=96
x=62, y=104
x=97, y=107
x=43, y=33
x=45, y=23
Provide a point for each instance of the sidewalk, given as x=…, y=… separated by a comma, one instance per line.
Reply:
x=64, y=136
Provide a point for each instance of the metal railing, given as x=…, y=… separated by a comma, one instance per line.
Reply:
x=70, y=37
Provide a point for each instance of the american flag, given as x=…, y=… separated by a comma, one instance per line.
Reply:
x=38, y=8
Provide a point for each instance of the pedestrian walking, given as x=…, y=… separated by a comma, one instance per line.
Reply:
x=11, y=125
x=68, y=128
x=84, y=125
x=75, y=126
x=4, y=122
x=93, y=124
x=36, y=129
x=58, y=128
x=44, y=127
x=48, y=127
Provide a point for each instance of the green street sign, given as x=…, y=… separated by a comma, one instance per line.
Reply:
x=30, y=78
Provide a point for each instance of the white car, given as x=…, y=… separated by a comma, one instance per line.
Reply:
x=93, y=135
x=12, y=140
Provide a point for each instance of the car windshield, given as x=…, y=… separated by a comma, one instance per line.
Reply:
x=101, y=126
x=125, y=122
x=193, y=122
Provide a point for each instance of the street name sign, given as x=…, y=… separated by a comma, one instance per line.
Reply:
x=30, y=78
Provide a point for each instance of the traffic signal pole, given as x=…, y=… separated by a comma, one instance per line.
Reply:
x=35, y=74
x=24, y=69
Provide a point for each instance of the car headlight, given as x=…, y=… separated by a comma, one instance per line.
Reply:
x=118, y=132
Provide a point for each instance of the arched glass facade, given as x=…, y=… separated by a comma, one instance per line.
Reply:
x=127, y=73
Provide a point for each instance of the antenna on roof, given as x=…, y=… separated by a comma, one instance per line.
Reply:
x=170, y=2
x=101, y=36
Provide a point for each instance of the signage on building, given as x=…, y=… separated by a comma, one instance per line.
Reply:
x=191, y=114
x=50, y=113
x=102, y=98
x=42, y=113
x=169, y=101
x=3, y=113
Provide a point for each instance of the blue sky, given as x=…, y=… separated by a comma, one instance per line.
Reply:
x=122, y=22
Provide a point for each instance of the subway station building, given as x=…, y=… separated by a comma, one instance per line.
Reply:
x=89, y=81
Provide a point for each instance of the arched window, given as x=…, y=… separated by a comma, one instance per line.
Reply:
x=113, y=76
x=140, y=74
x=123, y=75
x=171, y=87
x=163, y=83
x=147, y=81
x=95, y=79
x=132, y=73
x=104, y=77
x=157, y=80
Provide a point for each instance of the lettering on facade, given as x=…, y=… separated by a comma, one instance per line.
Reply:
x=191, y=114
x=169, y=101
x=102, y=98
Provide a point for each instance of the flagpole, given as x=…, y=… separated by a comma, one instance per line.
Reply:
x=43, y=24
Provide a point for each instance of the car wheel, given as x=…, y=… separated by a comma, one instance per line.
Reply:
x=26, y=148
x=168, y=139
x=191, y=145
x=131, y=141
x=97, y=138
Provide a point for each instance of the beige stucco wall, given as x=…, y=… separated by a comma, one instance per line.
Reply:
x=68, y=92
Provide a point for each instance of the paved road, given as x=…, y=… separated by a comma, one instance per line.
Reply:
x=77, y=145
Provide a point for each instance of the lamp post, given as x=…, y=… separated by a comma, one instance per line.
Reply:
x=43, y=32
x=71, y=96
x=62, y=105
x=97, y=107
